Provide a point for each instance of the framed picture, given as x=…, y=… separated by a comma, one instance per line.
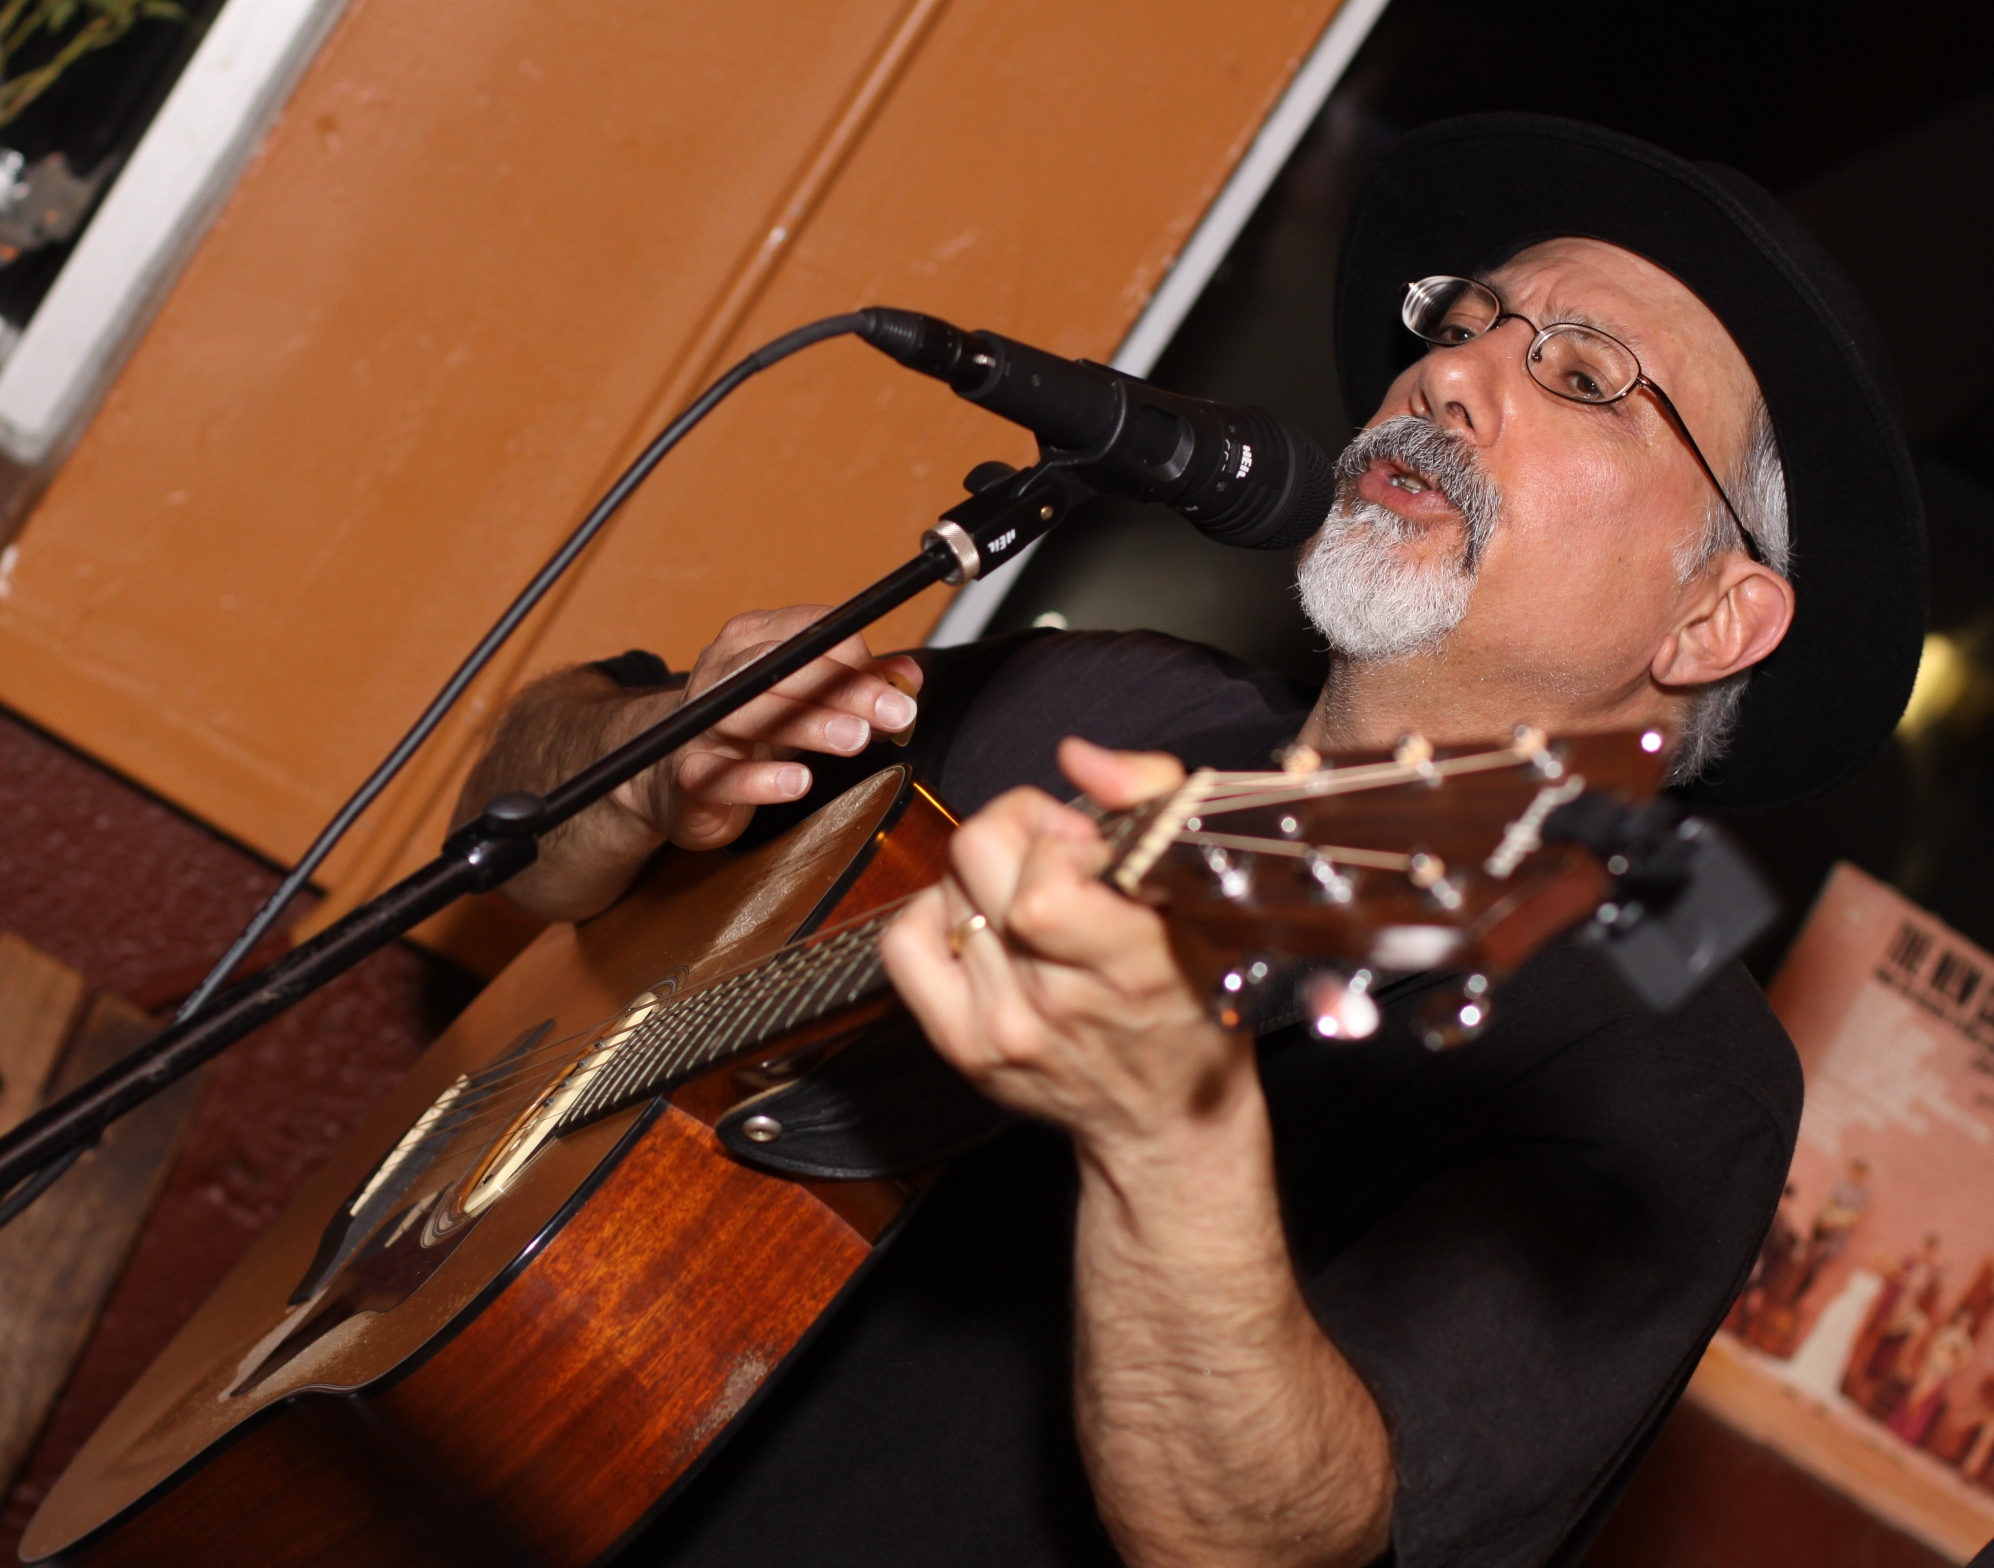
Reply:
x=123, y=124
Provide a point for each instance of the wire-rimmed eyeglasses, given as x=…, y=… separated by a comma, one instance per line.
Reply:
x=1578, y=363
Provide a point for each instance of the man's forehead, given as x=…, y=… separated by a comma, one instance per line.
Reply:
x=1596, y=284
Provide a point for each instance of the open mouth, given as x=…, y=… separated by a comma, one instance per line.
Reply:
x=1407, y=479
x=1411, y=493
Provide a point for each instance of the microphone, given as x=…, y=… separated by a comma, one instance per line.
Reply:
x=1240, y=475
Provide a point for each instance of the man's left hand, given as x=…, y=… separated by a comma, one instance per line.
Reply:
x=1063, y=1000
x=1218, y=1424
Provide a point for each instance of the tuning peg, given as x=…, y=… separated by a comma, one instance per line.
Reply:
x=1428, y=873
x=1416, y=752
x=1339, y=1006
x=1453, y=1014
x=1241, y=1001
x=1333, y=884
x=1235, y=878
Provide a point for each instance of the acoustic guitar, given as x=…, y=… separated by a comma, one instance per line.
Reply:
x=556, y=1265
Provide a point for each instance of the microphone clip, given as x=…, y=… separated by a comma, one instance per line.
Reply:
x=1007, y=510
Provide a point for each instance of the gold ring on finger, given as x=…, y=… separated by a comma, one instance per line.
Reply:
x=964, y=929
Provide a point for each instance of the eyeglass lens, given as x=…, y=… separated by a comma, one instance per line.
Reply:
x=1566, y=359
x=1449, y=311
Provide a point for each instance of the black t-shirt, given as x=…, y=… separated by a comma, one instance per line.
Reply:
x=1521, y=1246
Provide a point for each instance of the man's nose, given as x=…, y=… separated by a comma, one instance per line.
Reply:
x=1465, y=388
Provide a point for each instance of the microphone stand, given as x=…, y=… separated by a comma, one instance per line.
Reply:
x=1006, y=511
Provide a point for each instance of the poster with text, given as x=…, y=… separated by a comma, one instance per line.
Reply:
x=1873, y=1293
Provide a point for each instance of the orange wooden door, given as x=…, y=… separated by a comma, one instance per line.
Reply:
x=493, y=244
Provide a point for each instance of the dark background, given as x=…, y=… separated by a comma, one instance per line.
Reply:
x=1875, y=126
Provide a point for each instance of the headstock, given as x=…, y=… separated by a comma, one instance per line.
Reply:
x=1465, y=860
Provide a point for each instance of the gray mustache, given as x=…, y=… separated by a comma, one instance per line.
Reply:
x=1446, y=460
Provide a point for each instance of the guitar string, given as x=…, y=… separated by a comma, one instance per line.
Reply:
x=1370, y=775
x=652, y=1057
x=442, y=1172
x=672, y=1042
x=753, y=1021
x=1245, y=789
x=507, y=1096
x=683, y=1034
x=672, y=1002
x=548, y=1048
x=447, y=1169
x=1338, y=854
x=710, y=1040
x=687, y=1007
x=1350, y=780
x=680, y=1036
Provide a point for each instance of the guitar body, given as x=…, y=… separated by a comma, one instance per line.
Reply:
x=528, y=1382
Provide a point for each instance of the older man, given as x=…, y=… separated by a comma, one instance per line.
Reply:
x=1227, y=1301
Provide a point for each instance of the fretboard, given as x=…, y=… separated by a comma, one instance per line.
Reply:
x=687, y=1033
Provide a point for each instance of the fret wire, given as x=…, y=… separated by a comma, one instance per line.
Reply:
x=698, y=1002
x=639, y=1064
x=863, y=981
x=603, y=1084
x=684, y=1048
x=806, y=995
x=633, y=1067
x=719, y=1041
x=816, y=960
x=859, y=976
x=698, y=1048
x=737, y=1027
x=775, y=988
x=631, y=1059
x=836, y=989
x=664, y=1050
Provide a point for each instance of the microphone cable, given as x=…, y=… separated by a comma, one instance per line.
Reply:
x=612, y=501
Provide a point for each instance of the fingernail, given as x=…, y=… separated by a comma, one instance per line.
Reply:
x=845, y=733
x=894, y=711
x=792, y=781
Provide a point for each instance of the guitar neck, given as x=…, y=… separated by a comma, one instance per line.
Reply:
x=662, y=1040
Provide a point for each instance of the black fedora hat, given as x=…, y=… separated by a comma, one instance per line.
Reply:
x=1464, y=195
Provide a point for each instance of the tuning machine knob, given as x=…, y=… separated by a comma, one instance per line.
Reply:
x=1339, y=1006
x=1233, y=874
x=1429, y=874
x=1244, y=998
x=1453, y=1014
x=1332, y=883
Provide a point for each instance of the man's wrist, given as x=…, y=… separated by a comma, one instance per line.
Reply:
x=645, y=801
x=1212, y=1155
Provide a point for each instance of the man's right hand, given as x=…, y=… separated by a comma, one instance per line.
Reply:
x=702, y=795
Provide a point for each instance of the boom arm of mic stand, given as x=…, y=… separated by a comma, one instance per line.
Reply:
x=993, y=524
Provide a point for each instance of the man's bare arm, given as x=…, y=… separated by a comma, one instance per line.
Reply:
x=1218, y=1422
x=704, y=794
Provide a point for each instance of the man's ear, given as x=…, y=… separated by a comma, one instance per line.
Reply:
x=1733, y=617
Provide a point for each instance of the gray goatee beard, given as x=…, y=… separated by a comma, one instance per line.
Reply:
x=1370, y=599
